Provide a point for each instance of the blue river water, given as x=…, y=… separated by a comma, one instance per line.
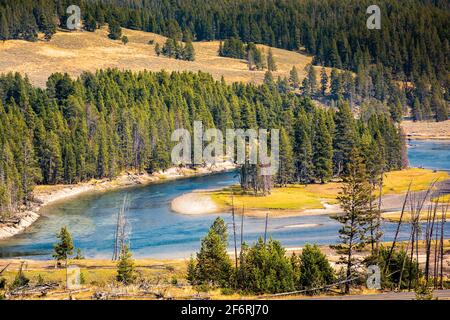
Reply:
x=158, y=232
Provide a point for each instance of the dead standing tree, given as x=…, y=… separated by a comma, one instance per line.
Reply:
x=122, y=232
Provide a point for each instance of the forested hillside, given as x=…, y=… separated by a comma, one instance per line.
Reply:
x=104, y=123
x=412, y=45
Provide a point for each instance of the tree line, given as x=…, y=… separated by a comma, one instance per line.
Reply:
x=412, y=45
x=101, y=124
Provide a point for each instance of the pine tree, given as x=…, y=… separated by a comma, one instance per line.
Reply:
x=125, y=267
x=158, y=50
x=115, y=31
x=286, y=168
x=189, y=52
x=265, y=268
x=271, y=64
x=336, y=85
x=4, y=28
x=323, y=81
x=315, y=271
x=312, y=79
x=64, y=248
x=322, y=149
x=354, y=201
x=213, y=263
x=344, y=137
x=303, y=149
x=90, y=24
x=293, y=78
x=191, y=276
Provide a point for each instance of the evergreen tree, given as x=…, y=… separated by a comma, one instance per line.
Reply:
x=271, y=64
x=303, y=149
x=158, y=50
x=265, y=269
x=322, y=149
x=315, y=270
x=336, y=85
x=354, y=201
x=125, y=267
x=213, y=263
x=323, y=81
x=344, y=137
x=294, y=79
x=189, y=52
x=64, y=248
x=115, y=31
x=286, y=162
x=90, y=24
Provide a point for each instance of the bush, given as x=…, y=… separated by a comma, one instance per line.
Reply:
x=2, y=283
x=20, y=280
x=265, y=269
x=315, y=270
x=399, y=264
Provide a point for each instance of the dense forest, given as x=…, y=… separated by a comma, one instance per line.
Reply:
x=104, y=123
x=412, y=46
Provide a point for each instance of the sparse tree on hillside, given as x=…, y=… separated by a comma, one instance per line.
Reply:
x=157, y=49
x=293, y=78
x=323, y=81
x=115, y=31
x=271, y=64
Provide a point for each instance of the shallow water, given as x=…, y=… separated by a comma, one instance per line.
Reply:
x=159, y=233
x=430, y=154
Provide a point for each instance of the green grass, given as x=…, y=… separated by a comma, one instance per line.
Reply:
x=300, y=197
x=293, y=197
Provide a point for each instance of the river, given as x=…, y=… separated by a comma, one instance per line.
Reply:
x=157, y=232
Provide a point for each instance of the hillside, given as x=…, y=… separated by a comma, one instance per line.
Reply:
x=75, y=52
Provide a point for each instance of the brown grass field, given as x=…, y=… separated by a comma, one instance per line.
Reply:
x=75, y=52
x=427, y=129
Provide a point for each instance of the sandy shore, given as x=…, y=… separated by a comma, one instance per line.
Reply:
x=45, y=195
x=200, y=202
x=194, y=203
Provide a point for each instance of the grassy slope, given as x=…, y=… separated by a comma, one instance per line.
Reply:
x=312, y=196
x=74, y=52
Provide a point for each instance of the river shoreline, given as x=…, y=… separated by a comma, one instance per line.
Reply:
x=202, y=203
x=44, y=195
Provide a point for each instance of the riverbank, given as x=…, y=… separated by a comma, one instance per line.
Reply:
x=307, y=200
x=426, y=130
x=158, y=278
x=44, y=195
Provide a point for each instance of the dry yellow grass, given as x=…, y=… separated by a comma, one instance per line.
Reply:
x=75, y=52
x=420, y=179
x=427, y=130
